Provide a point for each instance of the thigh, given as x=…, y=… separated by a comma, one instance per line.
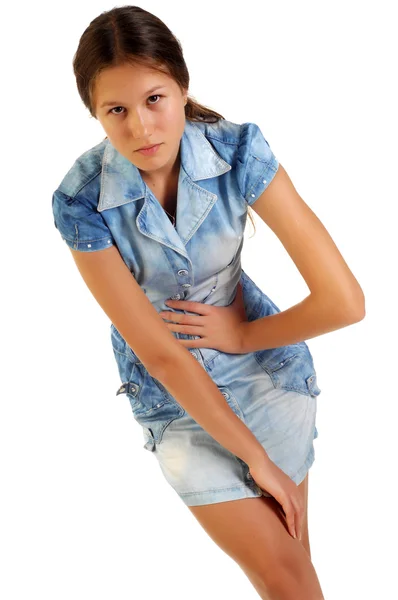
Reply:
x=254, y=533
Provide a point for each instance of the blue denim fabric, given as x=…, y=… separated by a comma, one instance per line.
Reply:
x=103, y=201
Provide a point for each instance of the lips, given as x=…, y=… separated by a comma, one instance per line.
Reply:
x=147, y=147
x=149, y=151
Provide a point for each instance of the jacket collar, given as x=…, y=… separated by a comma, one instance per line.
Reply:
x=121, y=183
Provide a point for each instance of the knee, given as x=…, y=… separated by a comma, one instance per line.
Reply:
x=283, y=583
x=289, y=579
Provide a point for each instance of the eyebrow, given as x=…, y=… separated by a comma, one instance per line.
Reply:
x=110, y=102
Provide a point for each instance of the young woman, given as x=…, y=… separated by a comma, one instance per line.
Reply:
x=220, y=379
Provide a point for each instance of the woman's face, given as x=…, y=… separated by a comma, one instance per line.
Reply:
x=134, y=114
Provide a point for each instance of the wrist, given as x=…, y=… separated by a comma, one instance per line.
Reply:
x=257, y=458
x=242, y=330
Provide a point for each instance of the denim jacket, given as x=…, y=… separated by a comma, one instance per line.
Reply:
x=103, y=201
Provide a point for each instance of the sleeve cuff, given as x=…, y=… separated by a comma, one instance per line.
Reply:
x=263, y=181
x=89, y=245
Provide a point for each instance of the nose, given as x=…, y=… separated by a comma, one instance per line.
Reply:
x=139, y=127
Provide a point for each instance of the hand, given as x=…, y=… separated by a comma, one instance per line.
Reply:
x=219, y=327
x=269, y=477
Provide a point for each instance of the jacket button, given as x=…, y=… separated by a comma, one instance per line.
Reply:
x=186, y=285
x=182, y=272
x=176, y=297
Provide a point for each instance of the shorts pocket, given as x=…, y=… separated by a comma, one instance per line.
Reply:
x=231, y=400
x=151, y=406
x=122, y=351
x=291, y=368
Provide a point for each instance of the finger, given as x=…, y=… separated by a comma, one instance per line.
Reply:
x=301, y=522
x=197, y=343
x=189, y=305
x=299, y=515
x=182, y=319
x=297, y=525
x=290, y=517
x=193, y=343
x=188, y=329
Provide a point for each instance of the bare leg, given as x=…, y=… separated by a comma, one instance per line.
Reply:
x=253, y=532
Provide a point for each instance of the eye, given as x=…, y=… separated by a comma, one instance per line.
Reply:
x=156, y=96
x=115, y=109
x=119, y=113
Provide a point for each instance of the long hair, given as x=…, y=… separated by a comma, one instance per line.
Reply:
x=130, y=34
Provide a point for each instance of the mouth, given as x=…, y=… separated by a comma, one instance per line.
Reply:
x=147, y=147
x=149, y=150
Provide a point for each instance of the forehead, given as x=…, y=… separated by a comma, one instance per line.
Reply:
x=139, y=75
x=128, y=81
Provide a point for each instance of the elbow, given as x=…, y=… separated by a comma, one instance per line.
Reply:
x=347, y=308
x=159, y=361
x=160, y=366
x=360, y=312
x=357, y=315
x=155, y=367
x=355, y=306
x=170, y=365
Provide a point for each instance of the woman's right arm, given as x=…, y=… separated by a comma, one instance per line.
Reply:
x=122, y=299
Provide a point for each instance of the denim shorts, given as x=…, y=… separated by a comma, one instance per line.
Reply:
x=279, y=406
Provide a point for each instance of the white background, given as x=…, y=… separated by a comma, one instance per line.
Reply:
x=84, y=510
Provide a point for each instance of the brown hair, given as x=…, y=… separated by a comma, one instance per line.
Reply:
x=130, y=34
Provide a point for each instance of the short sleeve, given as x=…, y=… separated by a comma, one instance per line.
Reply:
x=256, y=163
x=81, y=226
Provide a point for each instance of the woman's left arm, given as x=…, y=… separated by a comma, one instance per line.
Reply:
x=336, y=299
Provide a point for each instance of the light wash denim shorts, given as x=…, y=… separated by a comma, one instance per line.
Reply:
x=279, y=406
